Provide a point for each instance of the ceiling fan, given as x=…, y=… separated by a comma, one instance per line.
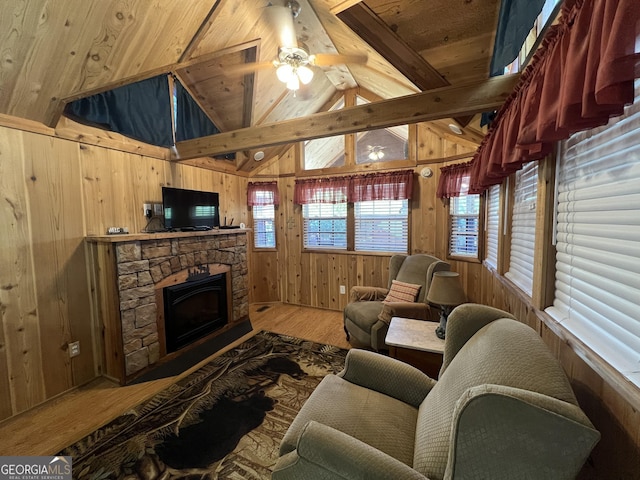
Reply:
x=375, y=152
x=294, y=64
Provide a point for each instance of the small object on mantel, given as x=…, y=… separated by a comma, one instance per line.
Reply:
x=117, y=230
x=231, y=225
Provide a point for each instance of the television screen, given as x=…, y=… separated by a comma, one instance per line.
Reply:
x=190, y=209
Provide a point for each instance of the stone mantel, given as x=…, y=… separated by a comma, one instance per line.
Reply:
x=127, y=271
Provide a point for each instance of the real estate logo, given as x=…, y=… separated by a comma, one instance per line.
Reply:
x=35, y=468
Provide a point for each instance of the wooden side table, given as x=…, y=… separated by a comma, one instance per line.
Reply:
x=415, y=342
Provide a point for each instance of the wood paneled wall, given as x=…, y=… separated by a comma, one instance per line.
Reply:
x=54, y=192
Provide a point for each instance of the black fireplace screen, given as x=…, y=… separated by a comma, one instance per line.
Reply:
x=194, y=309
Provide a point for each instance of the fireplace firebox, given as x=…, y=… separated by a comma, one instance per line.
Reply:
x=194, y=309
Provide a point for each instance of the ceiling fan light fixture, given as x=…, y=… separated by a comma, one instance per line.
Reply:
x=305, y=74
x=293, y=83
x=285, y=72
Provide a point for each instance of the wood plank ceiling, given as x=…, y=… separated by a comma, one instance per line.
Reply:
x=55, y=51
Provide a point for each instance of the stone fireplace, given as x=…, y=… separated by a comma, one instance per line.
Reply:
x=144, y=266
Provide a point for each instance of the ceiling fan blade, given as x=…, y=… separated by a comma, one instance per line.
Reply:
x=245, y=68
x=326, y=59
x=282, y=20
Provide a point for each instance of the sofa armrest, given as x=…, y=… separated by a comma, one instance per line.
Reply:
x=524, y=434
x=324, y=452
x=417, y=310
x=387, y=375
x=367, y=294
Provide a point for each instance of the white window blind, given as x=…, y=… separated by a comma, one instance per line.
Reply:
x=264, y=232
x=598, y=240
x=325, y=225
x=523, y=228
x=464, y=224
x=382, y=226
x=493, y=225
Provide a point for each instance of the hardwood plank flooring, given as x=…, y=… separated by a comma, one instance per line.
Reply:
x=50, y=427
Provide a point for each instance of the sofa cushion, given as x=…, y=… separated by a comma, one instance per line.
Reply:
x=395, y=418
x=505, y=352
x=402, y=292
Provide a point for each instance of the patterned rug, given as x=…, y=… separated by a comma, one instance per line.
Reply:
x=224, y=421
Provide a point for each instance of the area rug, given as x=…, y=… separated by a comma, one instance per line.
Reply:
x=224, y=421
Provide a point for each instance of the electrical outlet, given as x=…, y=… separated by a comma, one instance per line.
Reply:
x=343, y=290
x=157, y=209
x=74, y=349
x=146, y=210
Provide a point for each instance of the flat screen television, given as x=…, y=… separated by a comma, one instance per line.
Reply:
x=190, y=209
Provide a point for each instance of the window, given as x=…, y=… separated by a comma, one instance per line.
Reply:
x=464, y=222
x=492, y=224
x=325, y=225
x=356, y=213
x=598, y=240
x=523, y=227
x=264, y=232
x=263, y=197
x=381, y=145
x=382, y=225
x=373, y=146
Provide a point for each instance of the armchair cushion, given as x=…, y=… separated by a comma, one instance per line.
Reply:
x=402, y=292
x=393, y=417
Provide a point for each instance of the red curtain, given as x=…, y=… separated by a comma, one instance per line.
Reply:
x=581, y=75
x=263, y=193
x=381, y=186
x=321, y=190
x=454, y=180
x=356, y=188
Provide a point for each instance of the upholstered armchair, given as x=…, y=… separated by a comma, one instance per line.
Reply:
x=367, y=316
x=502, y=408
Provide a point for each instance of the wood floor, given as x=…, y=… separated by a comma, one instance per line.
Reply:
x=50, y=427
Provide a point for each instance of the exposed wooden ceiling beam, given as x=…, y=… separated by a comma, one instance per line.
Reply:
x=373, y=30
x=422, y=107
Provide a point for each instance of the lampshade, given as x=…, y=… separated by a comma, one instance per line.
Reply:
x=446, y=290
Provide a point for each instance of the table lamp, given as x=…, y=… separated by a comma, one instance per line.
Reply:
x=445, y=291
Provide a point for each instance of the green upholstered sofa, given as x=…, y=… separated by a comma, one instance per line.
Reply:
x=502, y=408
x=367, y=318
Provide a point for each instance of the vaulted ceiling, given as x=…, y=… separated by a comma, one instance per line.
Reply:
x=55, y=51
